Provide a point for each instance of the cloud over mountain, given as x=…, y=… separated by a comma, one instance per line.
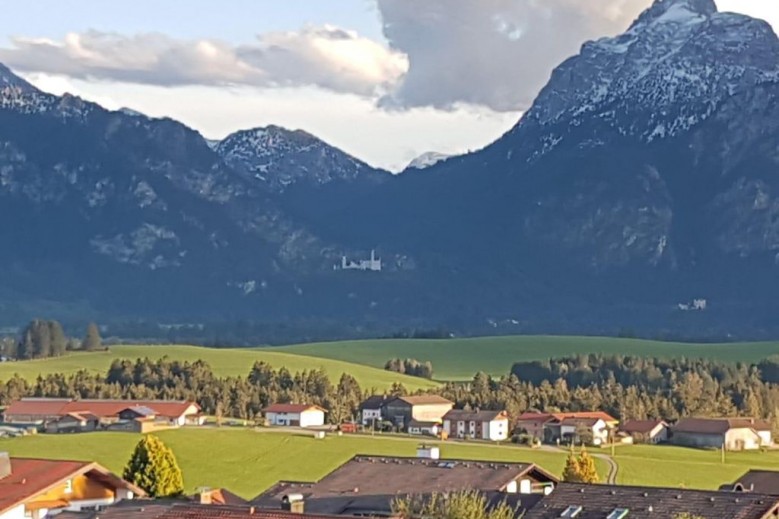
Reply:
x=326, y=56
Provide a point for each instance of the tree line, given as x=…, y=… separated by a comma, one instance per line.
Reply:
x=411, y=367
x=43, y=339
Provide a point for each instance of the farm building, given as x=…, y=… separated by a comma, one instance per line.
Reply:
x=295, y=415
x=625, y=502
x=428, y=408
x=74, y=422
x=482, y=425
x=36, y=488
x=367, y=485
x=645, y=431
x=424, y=428
x=735, y=434
x=41, y=411
x=551, y=427
x=370, y=409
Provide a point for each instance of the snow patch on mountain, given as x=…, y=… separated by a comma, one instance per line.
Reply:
x=428, y=159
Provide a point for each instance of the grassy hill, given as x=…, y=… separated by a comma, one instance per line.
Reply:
x=224, y=362
x=248, y=462
x=459, y=359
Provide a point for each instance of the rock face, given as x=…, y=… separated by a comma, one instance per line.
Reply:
x=643, y=178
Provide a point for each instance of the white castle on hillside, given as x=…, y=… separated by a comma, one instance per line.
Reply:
x=373, y=264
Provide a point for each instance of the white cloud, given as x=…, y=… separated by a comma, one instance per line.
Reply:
x=328, y=57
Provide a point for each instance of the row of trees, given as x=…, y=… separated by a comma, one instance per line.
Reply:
x=43, y=339
x=411, y=367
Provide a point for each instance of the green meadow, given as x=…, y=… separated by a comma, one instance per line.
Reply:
x=224, y=362
x=459, y=359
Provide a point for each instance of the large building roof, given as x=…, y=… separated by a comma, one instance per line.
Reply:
x=598, y=501
x=760, y=481
x=167, y=509
x=425, y=400
x=370, y=483
x=374, y=402
x=32, y=477
x=548, y=417
x=719, y=425
x=100, y=408
x=640, y=426
x=462, y=415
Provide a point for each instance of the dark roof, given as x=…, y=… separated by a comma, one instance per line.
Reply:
x=373, y=402
x=761, y=481
x=640, y=426
x=546, y=417
x=598, y=501
x=462, y=415
x=418, y=423
x=719, y=425
x=369, y=484
x=140, y=410
x=586, y=422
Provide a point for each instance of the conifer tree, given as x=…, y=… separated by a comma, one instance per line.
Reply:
x=572, y=470
x=153, y=468
x=92, y=341
x=59, y=342
x=586, y=465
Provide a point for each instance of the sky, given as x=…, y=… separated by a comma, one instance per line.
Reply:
x=385, y=80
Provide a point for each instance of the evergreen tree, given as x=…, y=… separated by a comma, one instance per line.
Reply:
x=586, y=465
x=92, y=341
x=572, y=471
x=26, y=348
x=153, y=468
x=464, y=504
x=59, y=342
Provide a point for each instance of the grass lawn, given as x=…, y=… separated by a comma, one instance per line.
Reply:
x=223, y=361
x=248, y=462
x=688, y=468
x=459, y=359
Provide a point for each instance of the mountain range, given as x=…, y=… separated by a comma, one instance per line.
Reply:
x=640, y=190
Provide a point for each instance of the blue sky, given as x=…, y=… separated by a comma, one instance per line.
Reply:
x=386, y=80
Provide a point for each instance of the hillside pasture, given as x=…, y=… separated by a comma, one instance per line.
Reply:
x=224, y=362
x=459, y=359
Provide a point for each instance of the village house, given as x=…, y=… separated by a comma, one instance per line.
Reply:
x=56, y=411
x=367, y=485
x=476, y=424
x=295, y=415
x=370, y=410
x=427, y=408
x=645, y=431
x=734, y=434
x=594, y=426
x=424, y=428
x=35, y=488
x=574, y=500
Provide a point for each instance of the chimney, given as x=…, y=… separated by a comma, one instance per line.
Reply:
x=5, y=465
x=204, y=496
x=293, y=503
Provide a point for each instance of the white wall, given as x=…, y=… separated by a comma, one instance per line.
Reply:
x=368, y=415
x=13, y=513
x=498, y=430
x=312, y=418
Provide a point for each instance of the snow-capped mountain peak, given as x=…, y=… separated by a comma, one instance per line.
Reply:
x=277, y=158
x=681, y=11
x=427, y=160
x=9, y=80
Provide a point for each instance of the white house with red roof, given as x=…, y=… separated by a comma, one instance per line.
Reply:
x=295, y=415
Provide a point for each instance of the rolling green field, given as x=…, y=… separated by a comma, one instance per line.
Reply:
x=224, y=362
x=459, y=359
x=248, y=462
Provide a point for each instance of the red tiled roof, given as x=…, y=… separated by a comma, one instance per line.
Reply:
x=546, y=417
x=290, y=408
x=100, y=408
x=31, y=477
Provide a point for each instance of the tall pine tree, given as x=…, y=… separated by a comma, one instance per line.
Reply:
x=92, y=341
x=153, y=467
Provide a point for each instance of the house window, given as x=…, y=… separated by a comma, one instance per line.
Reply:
x=69, y=486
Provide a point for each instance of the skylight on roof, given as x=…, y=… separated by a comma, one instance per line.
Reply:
x=571, y=511
x=618, y=513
